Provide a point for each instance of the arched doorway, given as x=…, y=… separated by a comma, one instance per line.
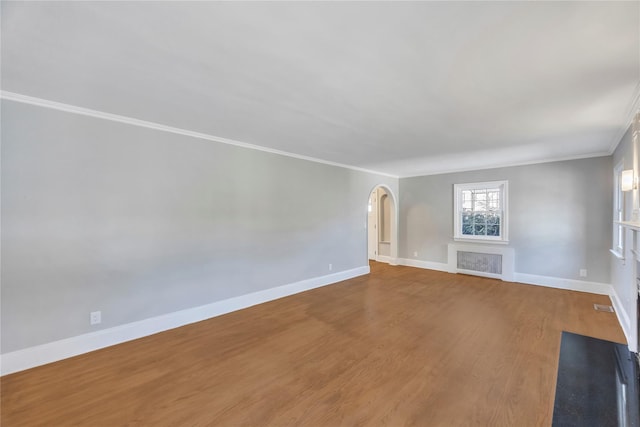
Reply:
x=382, y=225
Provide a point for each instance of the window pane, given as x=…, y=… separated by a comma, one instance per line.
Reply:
x=493, y=218
x=493, y=230
x=493, y=200
x=480, y=197
x=480, y=230
x=467, y=224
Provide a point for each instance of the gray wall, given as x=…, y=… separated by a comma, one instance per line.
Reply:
x=559, y=216
x=98, y=215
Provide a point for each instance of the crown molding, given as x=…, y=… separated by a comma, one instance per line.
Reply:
x=500, y=165
x=630, y=113
x=634, y=106
x=45, y=103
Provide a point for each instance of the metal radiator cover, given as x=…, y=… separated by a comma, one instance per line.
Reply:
x=483, y=263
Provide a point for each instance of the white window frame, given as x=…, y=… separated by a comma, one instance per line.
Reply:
x=503, y=186
x=618, y=211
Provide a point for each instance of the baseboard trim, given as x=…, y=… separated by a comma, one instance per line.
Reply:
x=428, y=265
x=528, y=279
x=383, y=258
x=567, y=284
x=58, y=350
x=387, y=259
x=73, y=109
x=624, y=319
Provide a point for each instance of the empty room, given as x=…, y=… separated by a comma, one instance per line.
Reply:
x=320, y=213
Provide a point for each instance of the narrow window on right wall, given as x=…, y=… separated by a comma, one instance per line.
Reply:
x=618, y=211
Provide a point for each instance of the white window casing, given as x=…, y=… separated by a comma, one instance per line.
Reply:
x=618, y=212
x=481, y=212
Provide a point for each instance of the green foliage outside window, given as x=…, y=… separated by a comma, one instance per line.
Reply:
x=481, y=212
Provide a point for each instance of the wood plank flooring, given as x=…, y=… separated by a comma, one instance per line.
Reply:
x=401, y=346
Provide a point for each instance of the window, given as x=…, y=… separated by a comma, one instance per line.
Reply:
x=481, y=211
x=618, y=211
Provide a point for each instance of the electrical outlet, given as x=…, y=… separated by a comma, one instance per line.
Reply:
x=583, y=273
x=330, y=267
x=95, y=317
x=415, y=254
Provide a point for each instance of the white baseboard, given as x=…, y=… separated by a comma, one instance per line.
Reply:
x=383, y=258
x=387, y=259
x=438, y=266
x=529, y=279
x=624, y=319
x=560, y=283
x=51, y=352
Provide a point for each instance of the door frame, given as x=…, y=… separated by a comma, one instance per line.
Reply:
x=392, y=259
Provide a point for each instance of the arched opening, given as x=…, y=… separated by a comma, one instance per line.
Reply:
x=382, y=225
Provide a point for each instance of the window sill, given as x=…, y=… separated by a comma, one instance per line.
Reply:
x=617, y=254
x=634, y=225
x=491, y=241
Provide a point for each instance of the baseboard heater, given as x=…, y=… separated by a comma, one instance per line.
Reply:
x=481, y=260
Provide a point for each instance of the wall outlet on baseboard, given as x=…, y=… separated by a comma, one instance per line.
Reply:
x=330, y=267
x=415, y=254
x=583, y=273
x=95, y=317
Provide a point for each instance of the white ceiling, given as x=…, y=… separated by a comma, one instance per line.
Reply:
x=405, y=88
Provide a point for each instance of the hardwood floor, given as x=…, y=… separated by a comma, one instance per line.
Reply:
x=401, y=346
